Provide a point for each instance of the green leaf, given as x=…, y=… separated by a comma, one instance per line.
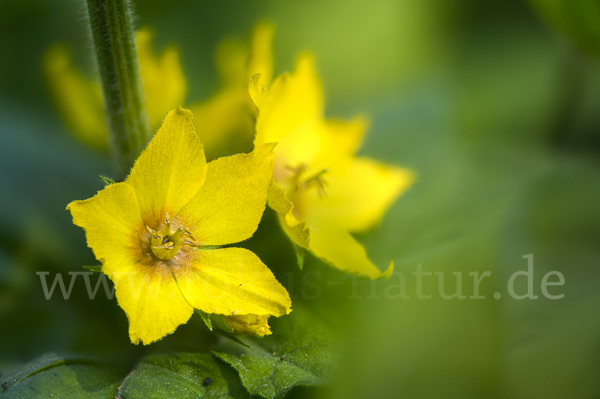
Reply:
x=232, y=337
x=218, y=321
x=300, y=253
x=300, y=353
x=107, y=180
x=205, y=318
x=95, y=268
x=53, y=376
x=222, y=327
x=182, y=375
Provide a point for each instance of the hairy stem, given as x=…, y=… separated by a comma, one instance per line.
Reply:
x=114, y=44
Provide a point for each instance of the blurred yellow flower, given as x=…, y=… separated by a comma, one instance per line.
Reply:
x=158, y=234
x=322, y=191
x=227, y=117
x=79, y=100
x=229, y=114
x=322, y=187
x=163, y=81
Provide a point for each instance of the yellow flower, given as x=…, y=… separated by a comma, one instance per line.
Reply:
x=248, y=325
x=79, y=99
x=322, y=191
x=227, y=117
x=230, y=115
x=158, y=233
x=163, y=81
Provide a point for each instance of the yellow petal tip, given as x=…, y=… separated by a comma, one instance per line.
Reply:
x=269, y=146
x=306, y=59
x=144, y=35
x=388, y=273
x=57, y=58
x=184, y=112
x=264, y=28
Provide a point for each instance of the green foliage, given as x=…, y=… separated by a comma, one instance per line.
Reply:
x=221, y=327
x=95, y=268
x=182, y=375
x=579, y=19
x=205, y=318
x=106, y=180
x=185, y=375
x=300, y=254
x=300, y=353
x=53, y=376
x=275, y=364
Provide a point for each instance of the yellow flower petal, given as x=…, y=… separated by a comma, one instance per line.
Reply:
x=290, y=114
x=237, y=61
x=162, y=78
x=318, y=180
x=150, y=297
x=260, y=59
x=337, y=247
x=112, y=223
x=278, y=201
x=77, y=98
x=230, y=205
x=232, y=281
x=232, y=63
x=170, y=171
x=228, y=118
x=339, y=141
x=342, y=137
x=249, y=325
x=227, y=123
x=147, y=292
x=357, y=197
x=294, y=99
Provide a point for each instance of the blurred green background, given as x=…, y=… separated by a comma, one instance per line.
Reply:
x=495, y=105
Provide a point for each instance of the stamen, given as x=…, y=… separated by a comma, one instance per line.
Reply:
x=317, y=176
x=166, y=243
x=298, y=170
x=302, y=183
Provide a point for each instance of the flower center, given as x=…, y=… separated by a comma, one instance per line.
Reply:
x=167, y=242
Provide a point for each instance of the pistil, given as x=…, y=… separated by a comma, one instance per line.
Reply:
x=166, y=242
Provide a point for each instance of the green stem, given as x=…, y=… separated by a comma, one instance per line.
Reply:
x=127, y=121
